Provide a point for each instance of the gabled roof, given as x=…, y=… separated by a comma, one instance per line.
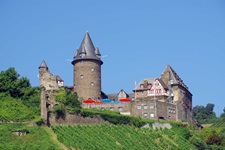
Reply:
x=58, y=78
x=174, y=76
x=87, y=50
x=149, y=81
x=43, y=65
x=162, y=83
x=124, y=92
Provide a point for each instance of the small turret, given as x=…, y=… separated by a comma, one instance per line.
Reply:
x=97, y=52
x=43, y=65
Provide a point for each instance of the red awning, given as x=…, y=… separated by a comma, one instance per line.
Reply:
x=88, y=101
x=125, y=100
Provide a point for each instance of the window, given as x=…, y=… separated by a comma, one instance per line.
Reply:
x=120, y=109
x=81, y=76
x=149, y=86
x=152, y=115
x=145, y=114
x=145, y=107
x=142, y=86
x=151, y=107
x=111, y=108
x=102, y=108
x=139, y=107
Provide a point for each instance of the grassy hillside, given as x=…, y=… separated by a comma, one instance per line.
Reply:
x=14, y=110
x=36, y=139
x=105, y=137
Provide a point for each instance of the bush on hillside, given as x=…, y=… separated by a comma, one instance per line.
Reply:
x=214, y=139
x=201, y=145
x=59, y=111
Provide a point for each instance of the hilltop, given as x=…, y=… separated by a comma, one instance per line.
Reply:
x=20, y=124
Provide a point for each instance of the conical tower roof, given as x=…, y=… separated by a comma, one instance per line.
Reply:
x=43, y=65
x=87, y=50
x=87, y=45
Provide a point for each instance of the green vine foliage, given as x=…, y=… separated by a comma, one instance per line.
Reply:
x=67, y=98
x=59, y=111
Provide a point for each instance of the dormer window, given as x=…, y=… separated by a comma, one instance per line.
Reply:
x=149, y=86
x=142, y=86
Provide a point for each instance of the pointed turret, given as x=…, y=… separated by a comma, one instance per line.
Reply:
x=87, y=50
x=97, y=52
x=43, y=65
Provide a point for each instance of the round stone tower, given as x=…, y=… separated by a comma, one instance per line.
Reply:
x=87, y=70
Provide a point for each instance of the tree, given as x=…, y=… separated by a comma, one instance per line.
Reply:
x=209, y=108
x=223, y=115
x=12, y=85
x=204, y=114
x=67, y=98
x=19, y=88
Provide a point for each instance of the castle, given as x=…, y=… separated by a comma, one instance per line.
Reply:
x=166, y=97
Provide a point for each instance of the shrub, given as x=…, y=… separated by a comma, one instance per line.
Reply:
x=39, y=121
x=59, y=111
x=214, y=139
x=201, y=145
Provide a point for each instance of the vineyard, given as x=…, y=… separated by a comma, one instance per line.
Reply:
x=100, y=137
x=217, y=124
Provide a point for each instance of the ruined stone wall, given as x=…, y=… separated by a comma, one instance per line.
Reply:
x=87, y=79
x=47, y=80
x=48, y=84
x=74, y=119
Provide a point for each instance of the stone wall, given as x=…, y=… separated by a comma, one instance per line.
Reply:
x=157, y=125
x=47, y=80
x=153, y=109
x=87, y=79
x=74, y=119
x=125, y=107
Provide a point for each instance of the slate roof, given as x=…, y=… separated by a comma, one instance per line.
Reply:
x=174, y=76
x=115, y=96
x=87, y=50
x=149, y=81
x=43, y=65
x=58, y=78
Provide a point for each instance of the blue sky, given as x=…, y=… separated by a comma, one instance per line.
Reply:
x=138, y=39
